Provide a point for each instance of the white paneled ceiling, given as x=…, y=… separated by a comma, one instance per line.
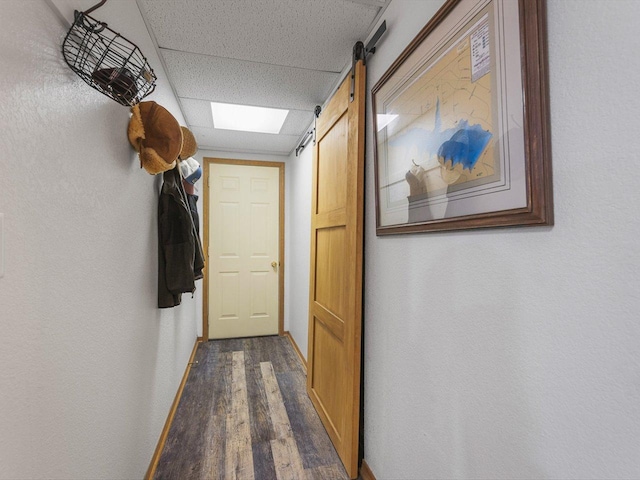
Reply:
x=269, y=53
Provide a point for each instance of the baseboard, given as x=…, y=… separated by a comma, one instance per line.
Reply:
x=365, y=472
x=297, y=350
x=172, y=412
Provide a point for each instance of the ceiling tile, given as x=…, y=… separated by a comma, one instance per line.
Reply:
x=229, y=140
x=246, y=83
x=197, y=113
x=297, y=122
x=376, y=3
x=308, y=34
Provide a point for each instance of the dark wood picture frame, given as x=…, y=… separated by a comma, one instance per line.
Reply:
x=534, y=173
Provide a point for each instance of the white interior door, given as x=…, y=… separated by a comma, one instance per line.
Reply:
x=244, y=240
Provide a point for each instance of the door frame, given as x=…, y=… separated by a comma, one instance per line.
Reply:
x=207, y=162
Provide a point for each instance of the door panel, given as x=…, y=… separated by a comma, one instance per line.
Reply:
x=244, y=277
x=329, y=387
x=229, y=295
x=332, y=173
x=331, y=270
x=335, y=294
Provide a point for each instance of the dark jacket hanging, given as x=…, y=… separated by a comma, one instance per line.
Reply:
x=180, y=257
x=192, y=200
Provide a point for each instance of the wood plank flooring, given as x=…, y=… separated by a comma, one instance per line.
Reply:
x=245, y=414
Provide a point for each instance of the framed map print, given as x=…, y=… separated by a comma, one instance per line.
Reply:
x=461, y=122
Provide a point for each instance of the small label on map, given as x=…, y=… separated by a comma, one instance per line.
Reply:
x=480, y=52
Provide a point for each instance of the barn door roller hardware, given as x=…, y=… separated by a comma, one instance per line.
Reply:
x=310, y=133
x=106, y=60
x=360, y=52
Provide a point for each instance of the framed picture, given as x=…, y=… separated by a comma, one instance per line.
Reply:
x=461, y=122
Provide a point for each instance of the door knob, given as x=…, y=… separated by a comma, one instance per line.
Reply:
x=274, y=264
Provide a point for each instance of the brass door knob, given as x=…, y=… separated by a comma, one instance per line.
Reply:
x=274, y=264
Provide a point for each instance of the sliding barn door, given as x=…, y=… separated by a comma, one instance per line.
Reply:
x=335, y=303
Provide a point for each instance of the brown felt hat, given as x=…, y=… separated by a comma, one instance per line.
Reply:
x=189, y=145
x=156, y=135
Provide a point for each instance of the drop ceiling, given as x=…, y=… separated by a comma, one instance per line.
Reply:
x=287, y=54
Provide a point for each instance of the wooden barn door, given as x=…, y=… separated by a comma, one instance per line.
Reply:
x=335, y=303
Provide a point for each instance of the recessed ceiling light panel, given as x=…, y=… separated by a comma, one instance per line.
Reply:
x=247, y=119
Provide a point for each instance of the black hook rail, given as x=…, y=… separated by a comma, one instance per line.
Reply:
x=95, y=7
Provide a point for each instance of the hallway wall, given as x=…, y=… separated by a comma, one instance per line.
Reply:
x=514, y=353
x=300, y=173
x=89, y=366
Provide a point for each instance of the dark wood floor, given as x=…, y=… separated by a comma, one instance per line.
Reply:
x=245, y=414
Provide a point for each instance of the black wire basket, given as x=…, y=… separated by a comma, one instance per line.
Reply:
x=107, y=61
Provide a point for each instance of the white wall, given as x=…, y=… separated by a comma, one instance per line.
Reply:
x=300, y=174
x=513, y=353
x=89, y=366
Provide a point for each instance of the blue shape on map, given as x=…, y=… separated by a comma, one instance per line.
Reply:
x=463, y=143
x=465, y=146
x=425, y=141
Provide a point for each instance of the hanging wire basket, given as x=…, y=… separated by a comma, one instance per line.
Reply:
x=107, y=61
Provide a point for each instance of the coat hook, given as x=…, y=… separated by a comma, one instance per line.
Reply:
x=95, y=7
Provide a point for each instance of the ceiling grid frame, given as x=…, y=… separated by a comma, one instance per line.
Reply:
x=267, y=53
